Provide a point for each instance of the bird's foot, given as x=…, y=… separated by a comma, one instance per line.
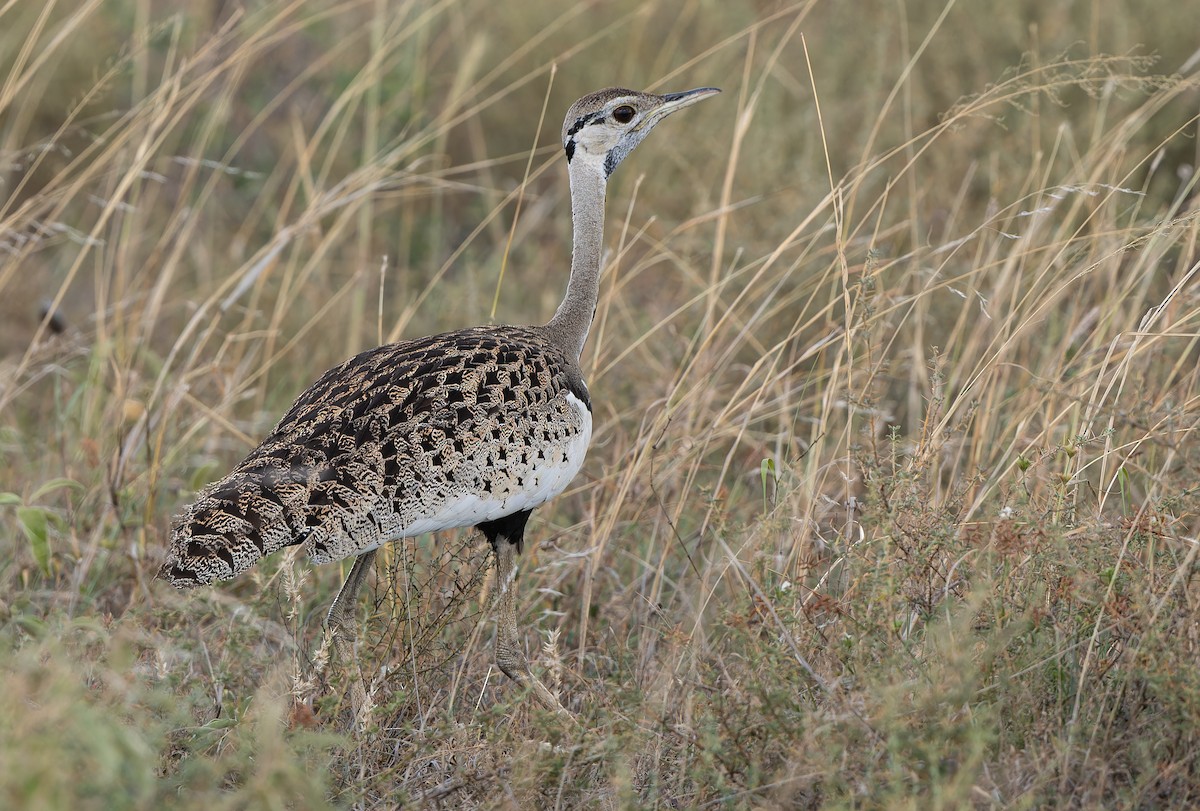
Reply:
x=515, y=666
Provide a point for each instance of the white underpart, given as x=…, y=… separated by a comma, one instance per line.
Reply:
x=540, y=484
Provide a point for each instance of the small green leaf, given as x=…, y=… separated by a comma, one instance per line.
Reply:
x=35, y=526
x=9, y=498
x=766, y=470
x=54, y=484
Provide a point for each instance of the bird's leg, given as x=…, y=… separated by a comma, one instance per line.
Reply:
x=342, y=624
x=509, y=656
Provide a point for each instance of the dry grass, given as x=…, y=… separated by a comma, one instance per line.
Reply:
x=892, y=501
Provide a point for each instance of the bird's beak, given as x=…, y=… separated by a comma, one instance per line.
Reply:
x=676, y=101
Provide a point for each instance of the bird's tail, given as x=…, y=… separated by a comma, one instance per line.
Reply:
x=227, y=530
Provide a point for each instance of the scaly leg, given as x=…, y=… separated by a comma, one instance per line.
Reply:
x=342, y=624
x=509, y=655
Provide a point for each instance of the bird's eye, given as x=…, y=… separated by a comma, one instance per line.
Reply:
x=624, y=114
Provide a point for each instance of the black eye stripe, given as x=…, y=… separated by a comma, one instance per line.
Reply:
x=577, y=126
x=584, y=121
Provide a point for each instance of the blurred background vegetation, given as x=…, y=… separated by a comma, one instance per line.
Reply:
x=892, y=500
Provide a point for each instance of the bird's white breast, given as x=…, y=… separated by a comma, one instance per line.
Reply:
x=538, y=482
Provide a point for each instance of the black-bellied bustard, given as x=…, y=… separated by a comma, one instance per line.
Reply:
x=469, y=428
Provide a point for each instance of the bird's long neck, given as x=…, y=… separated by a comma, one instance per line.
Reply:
x=571, y=322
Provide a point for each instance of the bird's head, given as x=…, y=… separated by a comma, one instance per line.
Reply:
x=603, y=127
